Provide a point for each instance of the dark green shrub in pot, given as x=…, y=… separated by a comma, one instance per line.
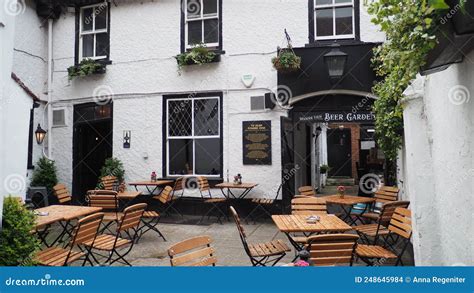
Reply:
x=17, y=244
x=112, y=167
x=45, y=174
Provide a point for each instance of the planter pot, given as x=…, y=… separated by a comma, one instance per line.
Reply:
x=217, y=58
x=463, y=19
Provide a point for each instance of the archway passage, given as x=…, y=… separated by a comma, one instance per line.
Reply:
x=336, y=131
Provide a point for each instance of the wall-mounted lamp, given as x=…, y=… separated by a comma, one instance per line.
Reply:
x=318, y=131
x=127, y=137
x=336, y=62
x=40, y=134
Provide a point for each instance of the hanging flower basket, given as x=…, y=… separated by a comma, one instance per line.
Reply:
x=286, y=61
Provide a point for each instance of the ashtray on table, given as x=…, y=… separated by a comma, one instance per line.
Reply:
x=312, y=219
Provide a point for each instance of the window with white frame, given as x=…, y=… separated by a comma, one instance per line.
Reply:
x=334, y=19
x=193, y=136
x=93, y=32
x=201, y=22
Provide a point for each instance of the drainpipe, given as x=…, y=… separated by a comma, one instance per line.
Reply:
x=50, y=91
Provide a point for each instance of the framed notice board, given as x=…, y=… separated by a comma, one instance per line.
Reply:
x=257, y=142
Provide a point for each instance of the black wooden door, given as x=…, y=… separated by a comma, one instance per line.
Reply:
x=287, y=162
x=92, y=146
x=339, y=152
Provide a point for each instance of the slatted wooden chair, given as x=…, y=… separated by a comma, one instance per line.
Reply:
x=332, y=250
x=374, y=231
x=264, y=206
x=62, y=194
x=119, y=245
x=167, y=200
x=151, y=218
x=308, y=206
x=217, y=204
x=260, y=254
x=84, y=232
x=194, y=252
x=307, y=191
x=108, y=201
x=400, y=226
x=109, y=183
x=383, y=195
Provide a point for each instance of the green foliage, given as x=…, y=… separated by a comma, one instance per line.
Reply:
x=409, y=26
x=199, y=54
x=86, y=67
x=45, y=174
x=324, y=169
x=17, y=244
x=112, y=167
x=286, y=61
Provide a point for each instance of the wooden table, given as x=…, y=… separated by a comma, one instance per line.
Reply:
x=347, y=202
x=244, y=187
x=152, y=186
x=297, y=224
x=62, y=214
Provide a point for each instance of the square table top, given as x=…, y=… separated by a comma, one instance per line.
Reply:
x=128, y=195
x=151, y=183
x=58, y=213
x=298, y=223
x=347, y=200
x=236, y=186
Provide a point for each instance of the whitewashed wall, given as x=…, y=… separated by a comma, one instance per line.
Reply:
x=144, y=38
x=439, y=166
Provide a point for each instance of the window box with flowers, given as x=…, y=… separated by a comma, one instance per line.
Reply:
x=85, y=68
x=198, y=55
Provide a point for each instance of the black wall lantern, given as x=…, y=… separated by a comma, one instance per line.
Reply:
x=336, y=62
x=40, y=134
x=318, y=131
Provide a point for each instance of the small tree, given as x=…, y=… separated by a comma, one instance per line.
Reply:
x=112, y=167
x=17, y=244
x=45, y=174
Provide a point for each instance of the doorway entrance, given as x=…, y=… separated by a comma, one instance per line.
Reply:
x=339, y=144
x=92, y=145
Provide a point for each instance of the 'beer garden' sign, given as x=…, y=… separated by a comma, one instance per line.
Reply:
x=257, y=142
x=335, y=116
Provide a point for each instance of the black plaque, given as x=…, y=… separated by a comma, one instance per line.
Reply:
x=257, y=142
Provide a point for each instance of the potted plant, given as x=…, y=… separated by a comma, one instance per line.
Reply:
x=286, y=61
x=341, y=190
x=86, y=67
x=45, y=174
x=112, y=167
x=198, y=55
x=324, y=169
x=17, y=244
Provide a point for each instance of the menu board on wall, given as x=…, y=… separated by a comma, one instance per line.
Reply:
x=257, y=142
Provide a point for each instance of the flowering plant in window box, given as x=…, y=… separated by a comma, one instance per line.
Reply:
x=199, y=55
x=286, y=61
x=86, y=67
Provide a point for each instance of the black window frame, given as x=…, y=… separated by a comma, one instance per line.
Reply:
x=165, y=132
x=312, y=27
x=77, y=58
x=183, y=27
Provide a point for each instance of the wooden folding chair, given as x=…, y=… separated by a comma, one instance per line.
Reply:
x=307, y=191
x=217, y=204
x=264, y=205
x=400, y=226
x=151, y=219
x=383, y=195
x=308, y=206
x=109, y=183
x=62, y=194
x=194, y=252
x=373, y=231
x=126, y=235
x=167, y=200
x=84, y=232
x=108, y=201
x=260, y=254
x=332, y=249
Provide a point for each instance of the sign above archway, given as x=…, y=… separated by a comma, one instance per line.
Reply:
x=335, y=116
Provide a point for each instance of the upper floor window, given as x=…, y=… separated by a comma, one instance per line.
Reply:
x=334, y=19
x=202, y=22
x=93, y=31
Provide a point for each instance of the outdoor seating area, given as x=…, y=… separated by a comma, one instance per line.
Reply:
x=147, y=227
